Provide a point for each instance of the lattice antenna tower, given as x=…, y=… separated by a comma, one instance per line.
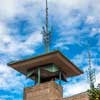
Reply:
x=46, y=33
x=91, y=71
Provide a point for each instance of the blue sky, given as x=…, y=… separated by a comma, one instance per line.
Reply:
x=76, y=24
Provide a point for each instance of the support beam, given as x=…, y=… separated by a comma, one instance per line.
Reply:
x=39, y=76
x=30, y=73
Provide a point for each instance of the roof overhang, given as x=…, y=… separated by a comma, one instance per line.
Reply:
x=56, y=57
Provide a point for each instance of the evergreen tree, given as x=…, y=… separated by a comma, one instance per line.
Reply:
x=94, y=94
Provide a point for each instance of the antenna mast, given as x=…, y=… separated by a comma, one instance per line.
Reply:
x=91, y=72
x=46, y=33
x=46, y=16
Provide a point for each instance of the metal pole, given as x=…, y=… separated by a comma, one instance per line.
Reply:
x=46, y=16
x=38, y=76
x=47, y=33
x=90, y=71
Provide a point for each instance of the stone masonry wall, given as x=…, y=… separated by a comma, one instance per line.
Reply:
x=46, y=91
x=50, y=91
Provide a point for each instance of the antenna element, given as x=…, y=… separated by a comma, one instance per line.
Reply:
x=91, y=72
x=46, y=33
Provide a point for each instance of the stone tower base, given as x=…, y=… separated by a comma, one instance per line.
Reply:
x=45, y=91
x=50, y=91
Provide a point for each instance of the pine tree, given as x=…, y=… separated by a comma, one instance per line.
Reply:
x=94, y=94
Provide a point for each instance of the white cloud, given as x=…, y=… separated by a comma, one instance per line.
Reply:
x=98, y=78
x=7, y=8
x=10, y=9
x=90, y=20
x=12, y=82
x=34, y=38
x=95, y=31
x=79, y=58
x=22, y=8
x=8, y=76
x=61, y=45
x=14, y=7
x=71, y=4
x=6, y=97
x=75, y=88
x=10, y=45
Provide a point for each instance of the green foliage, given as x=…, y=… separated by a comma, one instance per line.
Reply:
x=94, y=94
